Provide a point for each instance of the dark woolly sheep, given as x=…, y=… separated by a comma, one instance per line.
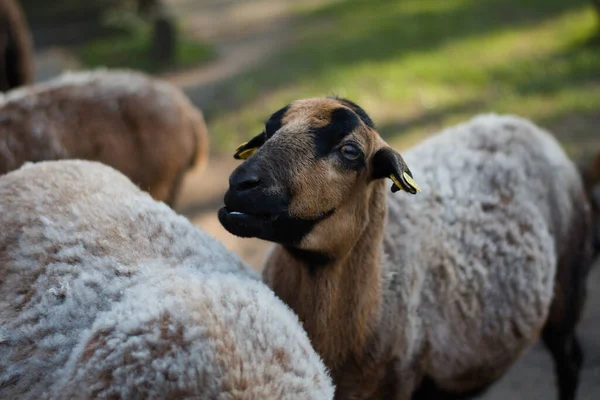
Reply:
x=430, y=296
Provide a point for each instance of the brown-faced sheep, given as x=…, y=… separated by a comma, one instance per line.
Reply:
x=425, y=297
x=16, y=47
x=143, y=127
x=106, y=293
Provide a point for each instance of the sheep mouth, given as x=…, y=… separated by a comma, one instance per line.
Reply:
x=274, y=227
x=263, y=216
x=246, y=224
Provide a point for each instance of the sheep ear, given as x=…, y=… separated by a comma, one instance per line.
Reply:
x=388, y=163
x=245, y=150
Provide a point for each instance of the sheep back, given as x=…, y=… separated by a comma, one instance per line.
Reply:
x=473, y=258
x=145, y=128
x=107, y=293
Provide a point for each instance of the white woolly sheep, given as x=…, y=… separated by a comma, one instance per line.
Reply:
x=143, y=127
x=425, y=297
x=16, y=47
x=105, y=293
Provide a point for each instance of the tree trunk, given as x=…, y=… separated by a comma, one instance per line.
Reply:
x=596, y=4
x=164, y=32
x=163, y=40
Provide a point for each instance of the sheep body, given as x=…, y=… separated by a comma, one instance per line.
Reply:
x=106, y=293
x=418, y=297
x=16, y=47
x=143, y=127
x=500, y=203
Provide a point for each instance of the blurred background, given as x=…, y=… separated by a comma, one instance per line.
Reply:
x=416, y=66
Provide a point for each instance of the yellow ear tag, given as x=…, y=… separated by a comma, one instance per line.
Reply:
x=247, y=153
x=408, y=179
x=411, y=181
x=240, y=146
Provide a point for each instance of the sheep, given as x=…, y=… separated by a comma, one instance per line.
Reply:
x=16, y=47
x=590, y=173
x=144, y=127
x=106, y=293
x=429, y=296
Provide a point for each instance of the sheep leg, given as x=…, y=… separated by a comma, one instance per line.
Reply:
x=175, y=190
x=568, y=358
x=560, y=338
x=429, y=390
x=570, y=293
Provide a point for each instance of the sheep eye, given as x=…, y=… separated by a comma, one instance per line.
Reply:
x=350, y=152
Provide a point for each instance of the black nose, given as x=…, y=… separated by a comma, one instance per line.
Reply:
x=244, y=180
x=248, y=183
x=252, y=190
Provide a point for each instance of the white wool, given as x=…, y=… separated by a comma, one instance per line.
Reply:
x=472, y=258
x=106, y=293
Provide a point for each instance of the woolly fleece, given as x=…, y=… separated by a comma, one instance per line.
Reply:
x=469, y=264
x=105, y=293
x=144, y=127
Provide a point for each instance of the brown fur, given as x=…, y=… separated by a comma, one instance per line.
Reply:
x=152, y=134
x=341, y=315
x=16, y=47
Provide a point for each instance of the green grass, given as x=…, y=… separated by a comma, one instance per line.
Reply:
x=419, y=65
x=131, y=50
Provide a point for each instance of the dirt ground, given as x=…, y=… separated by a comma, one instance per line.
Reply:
x=245, y=32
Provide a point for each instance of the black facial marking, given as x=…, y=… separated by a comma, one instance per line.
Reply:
x=278, y=228
x=292, y=230
x=274, y=122
x=343, y=122
x=313, y=259
x=358, y=110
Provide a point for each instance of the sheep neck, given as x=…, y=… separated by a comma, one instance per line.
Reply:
x=338, y=303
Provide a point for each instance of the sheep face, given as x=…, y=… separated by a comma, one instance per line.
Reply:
x=310, y=172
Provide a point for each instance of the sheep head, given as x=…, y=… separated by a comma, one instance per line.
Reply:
x=315, y=160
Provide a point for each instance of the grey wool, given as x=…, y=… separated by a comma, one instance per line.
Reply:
x=478, y=264
x=106, y=293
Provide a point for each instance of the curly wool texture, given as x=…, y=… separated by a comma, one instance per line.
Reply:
x=144, y=127
x=106, y=293
x=471, y=260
